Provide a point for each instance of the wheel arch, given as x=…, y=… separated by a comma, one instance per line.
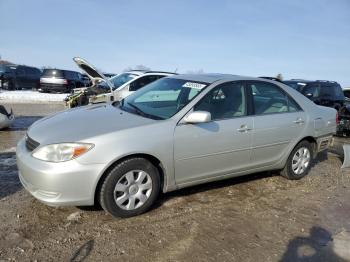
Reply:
x=154, y=160
x=313, y=142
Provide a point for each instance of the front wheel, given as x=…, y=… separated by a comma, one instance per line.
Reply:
x=130, y=188
x=299, y=161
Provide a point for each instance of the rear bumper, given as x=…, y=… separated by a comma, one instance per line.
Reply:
x=57, y=184
x=54, y=87
x=324, y=142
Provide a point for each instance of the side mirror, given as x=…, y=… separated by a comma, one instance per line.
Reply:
x=309, y=95
x=197, y=117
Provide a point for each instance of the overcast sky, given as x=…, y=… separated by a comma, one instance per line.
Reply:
x=298, y=38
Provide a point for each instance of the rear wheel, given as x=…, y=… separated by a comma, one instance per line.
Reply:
x=130, y=188
x=299, y=161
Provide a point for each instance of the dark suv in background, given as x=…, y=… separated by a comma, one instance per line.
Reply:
x=60, y=81
x=15, y=77
x=321, y=92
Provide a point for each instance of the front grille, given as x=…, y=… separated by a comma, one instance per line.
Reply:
x=31, y=144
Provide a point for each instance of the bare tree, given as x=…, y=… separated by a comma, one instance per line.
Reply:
x=4, y=62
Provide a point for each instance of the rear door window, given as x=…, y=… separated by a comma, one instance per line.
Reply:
x=327, y=91
x=20, y=71
x=270, y=99
x=142, y=81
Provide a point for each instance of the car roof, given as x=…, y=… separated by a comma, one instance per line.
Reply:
x=63, y=70
x=309, y=81
x=213, y=77
x=142, y=72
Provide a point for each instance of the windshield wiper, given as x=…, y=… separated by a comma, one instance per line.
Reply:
x=140, y=112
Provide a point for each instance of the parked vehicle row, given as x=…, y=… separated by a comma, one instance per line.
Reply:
x=330, y=94
x=106, y=89
x=178, y=131
x=63, y=81
x=14, y=77
x=321, y=92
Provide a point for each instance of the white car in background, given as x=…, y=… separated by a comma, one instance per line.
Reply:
x=6, y=118
x=119, y=86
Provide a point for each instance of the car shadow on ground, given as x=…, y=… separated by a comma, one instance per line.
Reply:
x=318, y=246
x=163, y=198
x=322, y=156
x=212, y=186
x=9, y=181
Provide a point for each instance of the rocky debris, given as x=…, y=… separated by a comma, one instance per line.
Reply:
x=15, y=240
x=74, y=217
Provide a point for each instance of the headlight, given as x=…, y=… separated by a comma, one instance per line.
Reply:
x=61, y=152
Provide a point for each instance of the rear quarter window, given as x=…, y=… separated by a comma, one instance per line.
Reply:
x=339, y=91
x=328, y=90
x=270, y=99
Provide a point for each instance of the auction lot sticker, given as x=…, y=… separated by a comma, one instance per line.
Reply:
x=194, y=85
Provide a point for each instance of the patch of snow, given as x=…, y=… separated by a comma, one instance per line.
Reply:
x=74, y=216
x=26, y=96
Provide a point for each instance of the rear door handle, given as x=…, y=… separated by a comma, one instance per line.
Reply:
x=299, y=121
x=244, y=128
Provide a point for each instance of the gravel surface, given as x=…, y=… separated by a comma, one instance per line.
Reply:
x=261, y=217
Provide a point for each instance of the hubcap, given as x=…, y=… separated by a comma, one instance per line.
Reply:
x=301, y=160
x=133, y=189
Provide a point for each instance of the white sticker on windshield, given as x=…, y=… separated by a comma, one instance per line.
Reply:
x=194, y=85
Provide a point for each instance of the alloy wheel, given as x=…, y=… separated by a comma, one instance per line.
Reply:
x=301, y=160
x=133, y=189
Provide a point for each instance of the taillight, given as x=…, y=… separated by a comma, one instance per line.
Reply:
x=65, y=81
x=337, y=118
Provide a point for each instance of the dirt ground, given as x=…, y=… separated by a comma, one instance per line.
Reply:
x=261, y=217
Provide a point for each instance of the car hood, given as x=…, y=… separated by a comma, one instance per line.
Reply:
x=84, y=123
x=93, y=73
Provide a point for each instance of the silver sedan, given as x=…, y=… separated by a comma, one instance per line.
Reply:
x=176, y=132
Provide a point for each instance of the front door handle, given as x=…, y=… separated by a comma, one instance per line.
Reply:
x=299, y=121
x=243, y=129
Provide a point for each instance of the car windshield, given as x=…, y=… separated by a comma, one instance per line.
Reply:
x=163, y=98
x=121, y=79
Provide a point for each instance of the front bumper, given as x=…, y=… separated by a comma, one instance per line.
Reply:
x=57, y=184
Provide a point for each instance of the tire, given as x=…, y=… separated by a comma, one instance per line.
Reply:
x=11, y=85
x=302, y=152
x=137, y=185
